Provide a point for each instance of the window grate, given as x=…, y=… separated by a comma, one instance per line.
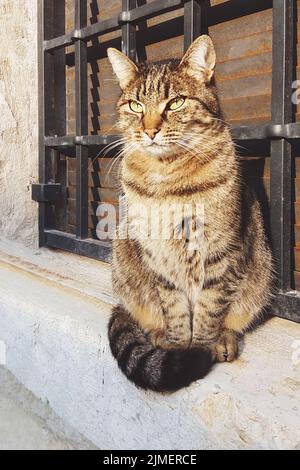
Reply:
x=282, y=134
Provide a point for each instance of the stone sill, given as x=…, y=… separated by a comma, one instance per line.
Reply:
x=54, y=309
x=28, y=424
x=84, y=275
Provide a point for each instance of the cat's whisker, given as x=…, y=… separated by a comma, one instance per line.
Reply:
x=221, y=141
x=123, y=152
x=239, y=146
x=107, y=148
x=192, y=151
x=202, y=142
x=197, y=142
x=113, y=145
x=115, y=159
x=205, y=147
x=220, y=120
x=196, y=149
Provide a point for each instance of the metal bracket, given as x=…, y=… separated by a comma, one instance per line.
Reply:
x=47, y=192
x=76, y=35
x=269, y=131
x=124, y=18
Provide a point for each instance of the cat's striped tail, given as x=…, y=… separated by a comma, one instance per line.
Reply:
x=149, y=367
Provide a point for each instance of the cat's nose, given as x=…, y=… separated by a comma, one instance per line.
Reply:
x=151, y=132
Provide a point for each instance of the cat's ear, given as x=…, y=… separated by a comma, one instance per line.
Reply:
x=200, y=59
x=124, y=68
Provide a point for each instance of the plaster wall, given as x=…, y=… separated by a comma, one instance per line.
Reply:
x=18, y=120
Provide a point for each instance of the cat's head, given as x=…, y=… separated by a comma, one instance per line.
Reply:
x=165, y=107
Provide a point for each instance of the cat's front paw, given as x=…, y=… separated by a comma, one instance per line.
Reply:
x=226, y=348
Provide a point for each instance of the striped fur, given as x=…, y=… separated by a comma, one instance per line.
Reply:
x=176, y=304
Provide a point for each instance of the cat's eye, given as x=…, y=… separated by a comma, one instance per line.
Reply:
x=135, y=106
x=176, y=103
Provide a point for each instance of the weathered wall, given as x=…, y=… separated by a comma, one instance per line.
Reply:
x=18, y=119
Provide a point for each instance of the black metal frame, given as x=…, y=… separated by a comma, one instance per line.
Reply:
x=282, y=134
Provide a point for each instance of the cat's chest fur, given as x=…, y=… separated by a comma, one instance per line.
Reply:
x=174, y=238
x=176, y=262
x=180, y=220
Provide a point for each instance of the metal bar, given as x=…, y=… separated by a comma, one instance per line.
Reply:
x=59, y=78
x=59, y=162
x=62, y=141
x=46, y=63
x=129, y=31
x=289, y=131
x=112, y=24
x=61, y=41
x=86, y=33
x=48, y=75
x=47, y=192
x=100, y=140
x=97, y=29
x=81, y=123
x=42, y=152
x=242, y=133
x=215, y=14
x=281, y=150
x=87, y=140
x=287, y=305
x=195, y=21
x=233, y=9
x=149, y=10
x=88, y=247
x=281, y=211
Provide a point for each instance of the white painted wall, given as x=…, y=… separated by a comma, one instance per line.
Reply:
x=18, y=120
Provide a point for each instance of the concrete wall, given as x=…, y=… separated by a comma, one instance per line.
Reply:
x=18, y=119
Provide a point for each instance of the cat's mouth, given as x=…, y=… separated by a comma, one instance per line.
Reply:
x=151, y=142
x=158, y=142
x=155, y=145
x=157, y=149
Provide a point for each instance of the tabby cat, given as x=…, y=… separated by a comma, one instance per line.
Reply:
x=183, y=307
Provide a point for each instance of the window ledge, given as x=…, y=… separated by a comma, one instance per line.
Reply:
x=84, y=275
x=56, y=341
